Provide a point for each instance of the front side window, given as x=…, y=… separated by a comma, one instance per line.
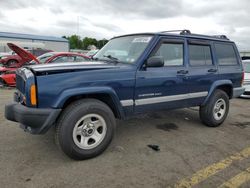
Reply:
x=172, y=53
x=199, y=55
x=225, y=54
x=125, y=49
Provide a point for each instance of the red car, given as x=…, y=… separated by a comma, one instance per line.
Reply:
x=60, y=57
x=7, y=74
x=11, y=60
x=15, y=60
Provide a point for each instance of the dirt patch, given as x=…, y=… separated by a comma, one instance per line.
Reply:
x=244, y=115
x=167, y=126
x=155, y=116
x=242, y=125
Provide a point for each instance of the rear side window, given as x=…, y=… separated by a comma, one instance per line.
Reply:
x=225, y=54
x=200, y=55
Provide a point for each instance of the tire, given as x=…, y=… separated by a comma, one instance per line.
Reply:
x=212, y=116
x=85, y=129
x=11, y=62
x=2, y=83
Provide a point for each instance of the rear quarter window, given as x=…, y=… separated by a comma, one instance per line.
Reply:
x=225, y=54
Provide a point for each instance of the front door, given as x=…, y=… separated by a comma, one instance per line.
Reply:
x=163, y=87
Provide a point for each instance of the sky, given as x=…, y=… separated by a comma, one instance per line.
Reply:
x=109, y=18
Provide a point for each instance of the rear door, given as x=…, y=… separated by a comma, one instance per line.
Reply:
x=163, y=87
x=202, y=70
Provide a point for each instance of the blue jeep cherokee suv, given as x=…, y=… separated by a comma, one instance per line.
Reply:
x=131, y=74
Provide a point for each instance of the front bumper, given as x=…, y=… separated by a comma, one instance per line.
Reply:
x=33, y=120
x=247, y=90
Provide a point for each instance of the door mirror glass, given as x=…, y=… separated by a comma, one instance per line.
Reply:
x=155, y=61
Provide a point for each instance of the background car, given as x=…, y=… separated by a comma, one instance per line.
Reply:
x=246, y=81
x=7, y=74
x=11, y=60
x=60, y=57
x=14, y=60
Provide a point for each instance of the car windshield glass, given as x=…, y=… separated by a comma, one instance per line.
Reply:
x=92, y=52
x=124, y=49
x=42, y=58
x=246, y=66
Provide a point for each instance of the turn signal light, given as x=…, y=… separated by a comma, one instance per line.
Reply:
x=33, y=100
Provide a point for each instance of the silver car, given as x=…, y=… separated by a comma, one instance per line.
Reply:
x=246, y=81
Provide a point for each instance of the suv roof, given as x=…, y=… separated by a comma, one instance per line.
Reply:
x=185, y=33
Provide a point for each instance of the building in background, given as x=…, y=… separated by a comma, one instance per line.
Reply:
x=28, y=41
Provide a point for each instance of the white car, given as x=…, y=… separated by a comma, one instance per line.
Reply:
x=246, y=82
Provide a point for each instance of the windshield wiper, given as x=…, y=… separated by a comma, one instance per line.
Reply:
x=116, y=60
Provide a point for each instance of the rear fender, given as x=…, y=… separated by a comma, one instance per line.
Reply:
x=215, y=85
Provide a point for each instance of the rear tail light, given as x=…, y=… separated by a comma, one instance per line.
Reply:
x=243, y=77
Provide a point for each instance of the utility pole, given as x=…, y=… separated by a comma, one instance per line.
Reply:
x=77, y=26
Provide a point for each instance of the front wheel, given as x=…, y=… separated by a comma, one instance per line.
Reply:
x=215, y=111
x=85, y=129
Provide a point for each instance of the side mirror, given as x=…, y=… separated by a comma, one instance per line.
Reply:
x=155, y=61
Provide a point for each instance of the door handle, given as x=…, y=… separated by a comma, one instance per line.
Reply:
x=212, y=70
x=182, y=72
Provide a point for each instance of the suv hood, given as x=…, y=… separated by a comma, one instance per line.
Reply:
x=69, y=67
x=25, y=55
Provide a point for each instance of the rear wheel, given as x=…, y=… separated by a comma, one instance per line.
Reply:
x=215, y=111
x=85, y=129
x=2, y=83
x=11, y=62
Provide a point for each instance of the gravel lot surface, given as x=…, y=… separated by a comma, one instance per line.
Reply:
x=191, y=154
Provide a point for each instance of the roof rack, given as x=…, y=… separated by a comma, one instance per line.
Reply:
x=182, y=32
x=188, y=32
x=220, y=36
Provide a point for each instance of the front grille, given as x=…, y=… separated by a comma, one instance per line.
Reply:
x=20, y=83
x=247, y=93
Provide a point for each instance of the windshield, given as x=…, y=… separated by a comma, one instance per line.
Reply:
x=246, y=66
x=124, y=49
x=92, y=52
x=42, y=58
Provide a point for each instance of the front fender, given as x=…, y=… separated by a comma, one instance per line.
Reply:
x=67, y=94
x=215, y=85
